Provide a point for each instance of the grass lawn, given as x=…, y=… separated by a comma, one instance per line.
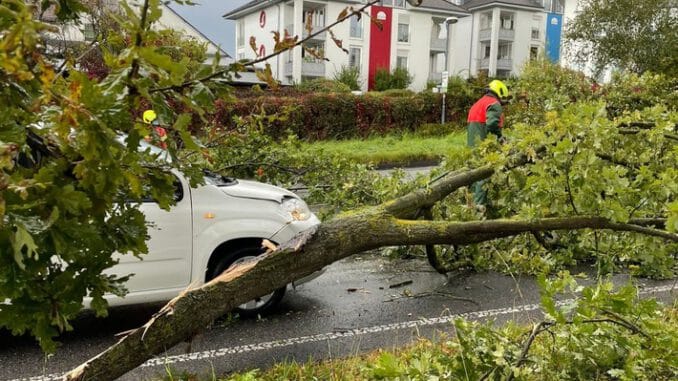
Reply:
x=398, y=150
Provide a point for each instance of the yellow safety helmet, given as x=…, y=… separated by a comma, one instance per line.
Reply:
x=498, y=87
x=149, y=116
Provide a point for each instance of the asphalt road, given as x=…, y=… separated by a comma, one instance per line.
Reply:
x=359, y=304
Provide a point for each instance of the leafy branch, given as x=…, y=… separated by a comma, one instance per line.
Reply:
x=544, y=326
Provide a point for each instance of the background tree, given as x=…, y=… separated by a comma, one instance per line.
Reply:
x=68, y=183
x=634, y=35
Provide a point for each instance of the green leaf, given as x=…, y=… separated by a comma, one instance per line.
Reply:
x=20, y=240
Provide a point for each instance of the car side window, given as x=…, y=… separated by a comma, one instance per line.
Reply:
x=178, y=192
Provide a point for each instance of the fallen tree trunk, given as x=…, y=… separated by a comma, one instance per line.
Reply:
x=347, y=234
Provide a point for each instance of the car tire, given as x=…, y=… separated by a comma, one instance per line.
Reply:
x=255, y=307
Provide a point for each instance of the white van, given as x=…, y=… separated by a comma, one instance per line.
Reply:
x=210, y=228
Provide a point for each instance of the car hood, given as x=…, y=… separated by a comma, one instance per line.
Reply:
x=256, y=190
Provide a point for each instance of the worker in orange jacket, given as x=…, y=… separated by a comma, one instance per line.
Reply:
x=486, y=116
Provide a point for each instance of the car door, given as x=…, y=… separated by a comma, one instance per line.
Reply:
x=168, y=262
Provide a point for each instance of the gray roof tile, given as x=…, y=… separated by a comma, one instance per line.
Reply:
x=522, y=3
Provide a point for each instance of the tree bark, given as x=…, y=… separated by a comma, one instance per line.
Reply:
x=347, y=234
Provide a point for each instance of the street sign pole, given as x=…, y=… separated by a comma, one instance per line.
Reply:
x=443, y=88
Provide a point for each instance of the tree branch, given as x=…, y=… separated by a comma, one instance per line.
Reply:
x=545, y=325
x=407, y=205
x=138, y=40
x=369, y=229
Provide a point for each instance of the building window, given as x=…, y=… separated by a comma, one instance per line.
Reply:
x=313, y=53
x=507, y=22
x=399, y=3
x=356, y=27
x=403, y=28
x=486, y=21
x=504, y=51
x=534, y=53
x=535, y=33
x=88, y=32
x=401, y=60
x=354, y=57
x=486, y=51
x=554, y=6
x=317, y=17
x=241, y=32
x=437, y=63
x=388, y=3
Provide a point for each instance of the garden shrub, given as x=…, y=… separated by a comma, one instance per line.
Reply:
x=323, y=85
x=314, y=116
x=400, y=78
x=349, y=76
x=382, y=80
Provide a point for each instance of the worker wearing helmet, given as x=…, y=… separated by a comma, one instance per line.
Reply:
x=158, y=134
x=486, y=116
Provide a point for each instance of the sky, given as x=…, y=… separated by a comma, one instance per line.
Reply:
x=206, y=17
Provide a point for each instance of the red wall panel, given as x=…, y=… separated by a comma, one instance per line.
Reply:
x=380, y=42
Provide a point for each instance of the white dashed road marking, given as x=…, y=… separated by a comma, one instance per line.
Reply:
x=423, y=322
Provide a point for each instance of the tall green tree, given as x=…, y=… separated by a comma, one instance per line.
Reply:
x=634, y=35
x=68, y=183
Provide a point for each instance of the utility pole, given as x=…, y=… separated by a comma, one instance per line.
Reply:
x=445, y=73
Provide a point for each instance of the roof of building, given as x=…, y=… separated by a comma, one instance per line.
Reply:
x=475, y=4
x=216, y=46
x=442, y=5
x=254, y=5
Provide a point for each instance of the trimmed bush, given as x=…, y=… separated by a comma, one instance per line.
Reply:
x=318, y=116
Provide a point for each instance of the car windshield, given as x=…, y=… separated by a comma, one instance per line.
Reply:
x=217, y=179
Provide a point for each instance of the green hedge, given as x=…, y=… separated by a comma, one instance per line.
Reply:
x=319, y=116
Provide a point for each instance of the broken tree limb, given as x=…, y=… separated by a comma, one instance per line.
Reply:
x=347, y=234
x=333, y=240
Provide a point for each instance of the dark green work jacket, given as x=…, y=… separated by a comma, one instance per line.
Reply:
x=485, y=116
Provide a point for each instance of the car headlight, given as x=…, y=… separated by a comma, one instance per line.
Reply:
x=297, y=209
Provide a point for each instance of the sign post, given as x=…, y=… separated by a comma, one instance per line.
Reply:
x=443, y=89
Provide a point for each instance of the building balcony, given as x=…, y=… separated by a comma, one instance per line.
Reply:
x=505, y=64
x=321, y=37
x=507, y=34
x=502, y=63
x=438, y=44
x=308, y=69
x=484, y=63
x=313, y=69
x=485, y=34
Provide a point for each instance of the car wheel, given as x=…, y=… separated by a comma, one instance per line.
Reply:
x=256, y=306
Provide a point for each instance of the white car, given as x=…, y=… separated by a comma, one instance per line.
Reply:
x=211, y=228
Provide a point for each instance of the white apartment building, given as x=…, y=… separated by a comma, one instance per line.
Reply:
x=70, y=33
x=413, y=38
x=492, y=36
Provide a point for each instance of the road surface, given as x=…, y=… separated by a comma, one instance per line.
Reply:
x=359, y=304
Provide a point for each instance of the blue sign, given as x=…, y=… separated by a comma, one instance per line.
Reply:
x=554, y=27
